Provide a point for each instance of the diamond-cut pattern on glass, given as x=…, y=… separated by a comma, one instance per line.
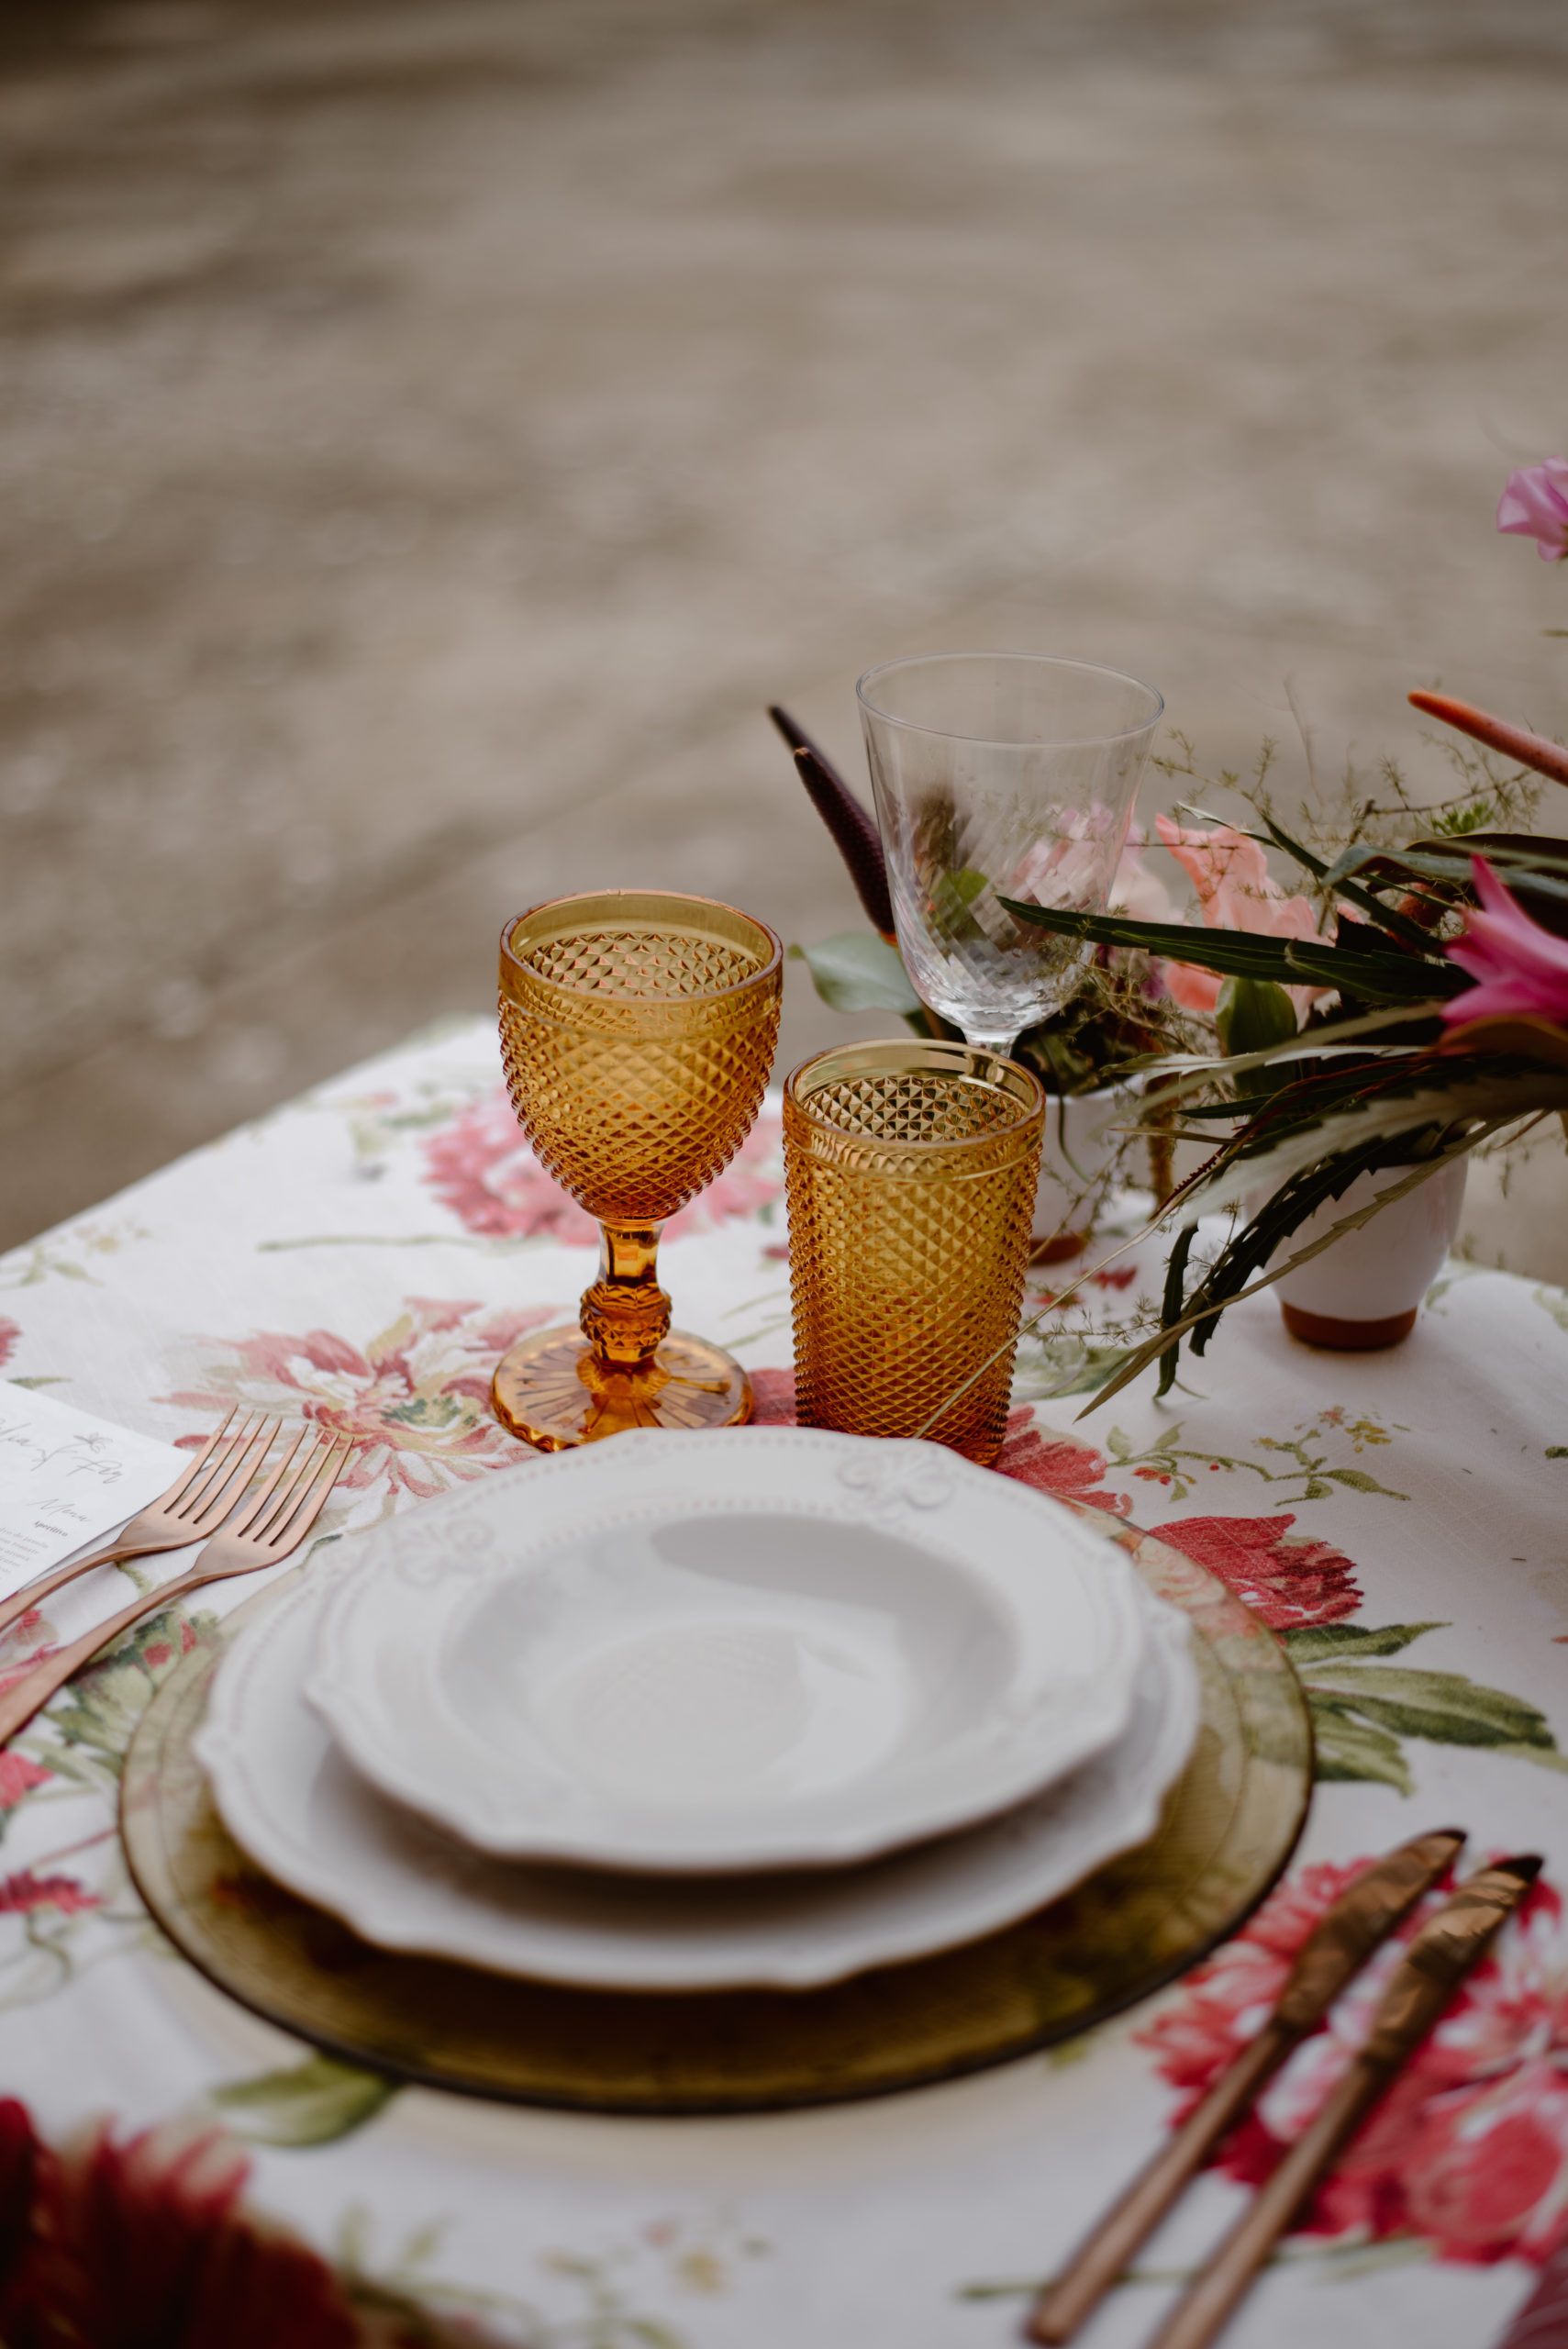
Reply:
x=900, y=1106
x=637, y=1103
x=648, y=965
x=906, y=1266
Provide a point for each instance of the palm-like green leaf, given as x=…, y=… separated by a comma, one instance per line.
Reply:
x=1390, y=977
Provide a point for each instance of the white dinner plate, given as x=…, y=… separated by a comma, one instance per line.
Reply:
x=290, y=1800
x=684, y=1653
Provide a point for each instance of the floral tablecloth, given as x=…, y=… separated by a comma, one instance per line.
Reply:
x=362, y=1257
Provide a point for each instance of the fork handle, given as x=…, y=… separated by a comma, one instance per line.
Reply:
x=23, y=1601
x=33, y=1690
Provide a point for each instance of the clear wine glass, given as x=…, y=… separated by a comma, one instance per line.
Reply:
x=1000, y=775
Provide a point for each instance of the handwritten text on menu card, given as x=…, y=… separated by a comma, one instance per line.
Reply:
x=68, y=1481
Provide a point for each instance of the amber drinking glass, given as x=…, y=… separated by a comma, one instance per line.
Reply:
x=638, y=1031
x=911, y=1171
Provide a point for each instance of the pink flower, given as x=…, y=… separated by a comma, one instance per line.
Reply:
x=1237, y=891
x=1054, y=1464
x=481, y=1167
x=1535, y=505
x=1066, y=866
x=1288, y=1582
x=1058, y=1464
x=1471, y=2148
x=773, y=1397
x=22, y=1893
x=107, y=2245
x=1522, y=970
x=416, y=1399
x=9, y=1333
x=19, y=1776
x=1136, y=891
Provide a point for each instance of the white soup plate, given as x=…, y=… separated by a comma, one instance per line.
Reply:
x=765, y=1648
x=290, y=1800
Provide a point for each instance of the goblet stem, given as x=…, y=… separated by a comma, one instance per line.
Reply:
x=1001, y=1045
x=626, y=1314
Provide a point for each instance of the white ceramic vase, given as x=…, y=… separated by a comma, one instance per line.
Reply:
x=1366, y=1290
x=1074, y=1156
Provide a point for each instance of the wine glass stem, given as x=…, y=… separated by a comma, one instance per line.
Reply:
x=1002, y=1044
x=626, y=1314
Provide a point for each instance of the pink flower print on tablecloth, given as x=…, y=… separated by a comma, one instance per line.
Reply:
x=1469, y=2149
x=415, y=1400
x=481, y=1167
x=19, y=1776
x=24, y=1892
x=1053, y=1464
x=9, y=1333
x=146, y=2239
x=773, y=1397
x=1058, y=1464
x=1288, y=1581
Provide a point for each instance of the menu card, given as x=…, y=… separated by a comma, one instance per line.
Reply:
x=68, y=1481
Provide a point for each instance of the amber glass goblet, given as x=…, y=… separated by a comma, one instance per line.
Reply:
x=638, y=1031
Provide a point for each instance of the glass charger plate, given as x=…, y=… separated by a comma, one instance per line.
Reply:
x=1229, y=1825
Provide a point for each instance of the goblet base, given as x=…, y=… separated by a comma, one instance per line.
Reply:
x=554, y=1391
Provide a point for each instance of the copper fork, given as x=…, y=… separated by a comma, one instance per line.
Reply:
x=274, y=1526
x=196, y=1505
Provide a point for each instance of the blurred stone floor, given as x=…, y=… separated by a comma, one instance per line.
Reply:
x=430, y=433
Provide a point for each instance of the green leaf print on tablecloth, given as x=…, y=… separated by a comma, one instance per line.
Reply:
x=313, y=2103
x=1178, y=1466
x=1360, y=1710
x=86, y=1734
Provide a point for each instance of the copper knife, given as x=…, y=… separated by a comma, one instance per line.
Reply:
x=1447, y=1947
x=1365, y=1913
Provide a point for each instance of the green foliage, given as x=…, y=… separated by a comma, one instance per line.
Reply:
x=85, y=1734
x=858, y=971
x=1360, y=1709
x=1251, y=1016
x=1365, y=973
x=1344, y=1748
x=315, y=2103
x=1112, y=1020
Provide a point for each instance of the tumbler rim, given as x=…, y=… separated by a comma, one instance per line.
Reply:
x=936, y=1056
x=1010, y=742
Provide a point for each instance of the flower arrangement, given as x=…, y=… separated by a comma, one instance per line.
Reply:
x=1407, y=1003
x=1420, y=1011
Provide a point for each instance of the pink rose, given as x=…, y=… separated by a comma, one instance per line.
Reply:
x=1522, y=970
x=1237, y=891
x=1535, y=505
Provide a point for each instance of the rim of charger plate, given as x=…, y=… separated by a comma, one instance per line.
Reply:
x=1009, y=741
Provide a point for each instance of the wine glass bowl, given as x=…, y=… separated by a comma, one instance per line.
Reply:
x=638, y=1031
x=997, y=775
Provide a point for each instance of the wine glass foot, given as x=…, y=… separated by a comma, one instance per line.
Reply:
x=554, y=1391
